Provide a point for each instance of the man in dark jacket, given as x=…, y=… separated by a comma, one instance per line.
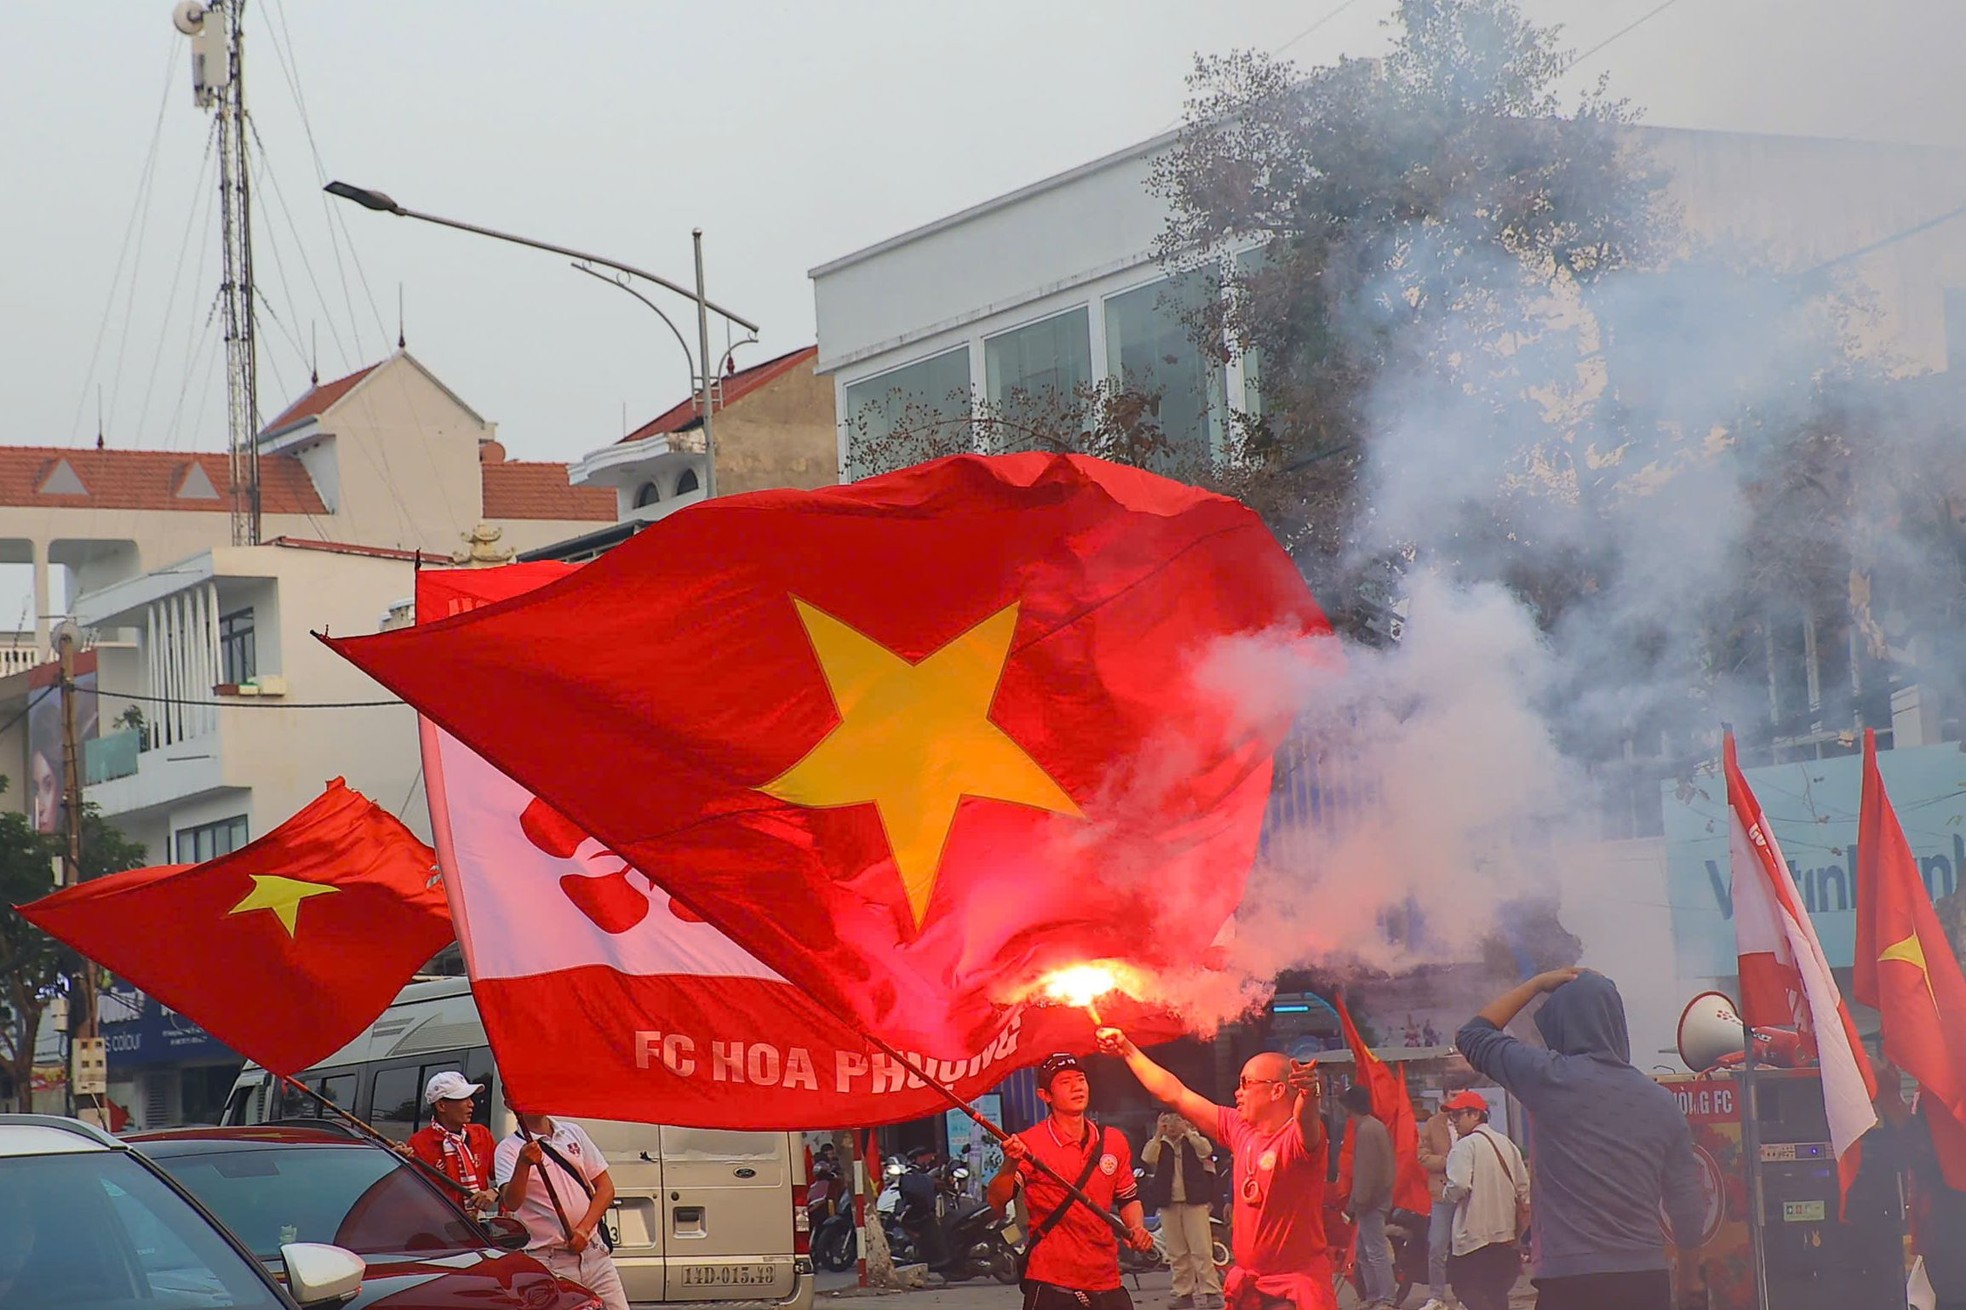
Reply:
x=1181, y=1185
x=1374, y=1169
x=1608, y=1146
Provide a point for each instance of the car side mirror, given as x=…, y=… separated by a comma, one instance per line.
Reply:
x=506, y=1233
x=322, y=1275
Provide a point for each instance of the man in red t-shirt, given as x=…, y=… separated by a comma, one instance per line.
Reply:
x=1280, y=1150
x=452, y=1144
x=1072, y=1255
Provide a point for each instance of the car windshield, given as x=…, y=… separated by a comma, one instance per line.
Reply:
x=98, y=1231
x=356, y=1196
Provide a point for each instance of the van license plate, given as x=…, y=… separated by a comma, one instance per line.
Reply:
x=729, y=1275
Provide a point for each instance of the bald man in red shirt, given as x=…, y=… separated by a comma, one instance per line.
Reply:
x=1281, y=1151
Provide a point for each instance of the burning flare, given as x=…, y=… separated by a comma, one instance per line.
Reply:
x=1083, y=984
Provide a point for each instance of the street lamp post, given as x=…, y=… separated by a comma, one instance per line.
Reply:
x=384, y=204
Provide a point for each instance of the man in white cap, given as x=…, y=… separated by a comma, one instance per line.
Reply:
x=452, y=1144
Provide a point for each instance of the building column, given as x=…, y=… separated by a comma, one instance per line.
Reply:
x=41, y=603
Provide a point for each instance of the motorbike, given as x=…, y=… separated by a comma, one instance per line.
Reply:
x=1406, y=1233
x=971, y=1232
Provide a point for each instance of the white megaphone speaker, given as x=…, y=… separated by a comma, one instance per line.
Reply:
x=1710, y=1036
x=1710, y=1032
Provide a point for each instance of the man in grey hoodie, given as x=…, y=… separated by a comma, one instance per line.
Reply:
x=1608, y=1146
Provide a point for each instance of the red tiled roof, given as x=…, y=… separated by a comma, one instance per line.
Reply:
x=149, y=479
x=735, y=387
x=317, y=400
x=523, y=490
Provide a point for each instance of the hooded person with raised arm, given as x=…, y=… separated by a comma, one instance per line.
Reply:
x=1609, y=1148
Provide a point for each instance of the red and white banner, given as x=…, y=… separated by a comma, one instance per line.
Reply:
x=602, y=1000
x=1785, y=978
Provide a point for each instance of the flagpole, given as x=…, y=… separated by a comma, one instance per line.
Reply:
x=1751, y=1158
x=376, y=1134
x=949, y=1094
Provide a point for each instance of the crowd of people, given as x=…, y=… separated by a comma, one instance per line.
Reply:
x=1615, y=1178
x=1613, y=1153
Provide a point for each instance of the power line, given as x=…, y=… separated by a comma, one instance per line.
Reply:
x=250, y=702
x=1632, y=26
x=1314, y=27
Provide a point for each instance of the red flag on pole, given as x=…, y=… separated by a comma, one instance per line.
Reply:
x=1391, y=1107
x=912, y=742
x=1904, y=968
x=285, y=949
x=604, y=998
x=1785, y=978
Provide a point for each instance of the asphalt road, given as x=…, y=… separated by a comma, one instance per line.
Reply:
x=1153, y=1292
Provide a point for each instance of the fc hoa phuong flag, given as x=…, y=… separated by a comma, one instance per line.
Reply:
x=1905, y=969
x=285, y=949
x=1391, y=1107
x=1785, y=977
x=603, y=998
x=911, y=742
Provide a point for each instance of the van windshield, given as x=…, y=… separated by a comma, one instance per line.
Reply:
x=356, y=1196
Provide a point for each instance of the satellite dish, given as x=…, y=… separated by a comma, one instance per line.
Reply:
x=188, y=17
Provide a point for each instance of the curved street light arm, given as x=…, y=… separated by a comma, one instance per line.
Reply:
x=381, y=203
x=689, y=356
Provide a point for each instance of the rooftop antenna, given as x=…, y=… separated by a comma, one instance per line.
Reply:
x=314, y=352
x=401, y=341
x=99, y=440
x=217, y=32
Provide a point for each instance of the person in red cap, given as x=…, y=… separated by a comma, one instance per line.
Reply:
x=1488, y=1186
x=453, y=1145
x=1281, y=1151
x=1072, y=1256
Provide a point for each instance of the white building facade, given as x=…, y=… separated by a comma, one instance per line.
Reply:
x=1056, y=284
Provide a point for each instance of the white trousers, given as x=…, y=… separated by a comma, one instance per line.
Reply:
x=1190, y=1250
x=593, y=1269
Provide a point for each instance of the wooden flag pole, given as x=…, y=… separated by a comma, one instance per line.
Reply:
x=376, y=1134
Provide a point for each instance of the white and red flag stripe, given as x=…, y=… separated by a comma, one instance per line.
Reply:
x=1785, y=977
x=604, y=999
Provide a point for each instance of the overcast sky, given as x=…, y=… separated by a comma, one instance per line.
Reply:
x=791, y=132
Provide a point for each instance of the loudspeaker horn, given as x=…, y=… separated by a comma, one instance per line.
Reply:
x=1710, y=1032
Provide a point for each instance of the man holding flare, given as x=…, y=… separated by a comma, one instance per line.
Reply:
x=1281, y=1152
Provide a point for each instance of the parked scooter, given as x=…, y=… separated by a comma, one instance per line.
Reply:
x=969, y=1233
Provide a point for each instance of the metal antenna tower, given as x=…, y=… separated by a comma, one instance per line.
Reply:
x=217, y=32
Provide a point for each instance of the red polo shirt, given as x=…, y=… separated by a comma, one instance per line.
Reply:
x=1080, y=1252
x=1279, y=1196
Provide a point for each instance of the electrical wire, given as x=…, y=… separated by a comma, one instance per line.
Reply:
x=349, y=363
x=250, y=702
x=1314, y=27
x=200, y=212
x=129, y=232
x=1632, y=26
x=34, y=699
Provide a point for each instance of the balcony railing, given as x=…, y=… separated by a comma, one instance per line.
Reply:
x=112, y=755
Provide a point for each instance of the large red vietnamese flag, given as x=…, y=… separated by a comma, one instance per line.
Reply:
x=285, y=949
x=912, y=742
x=1904, y=968
x=1785, y=977
x=601, y=999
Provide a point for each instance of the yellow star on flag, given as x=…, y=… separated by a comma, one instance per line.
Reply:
x=914, y=740
x=1911, y=951
x=280, y=895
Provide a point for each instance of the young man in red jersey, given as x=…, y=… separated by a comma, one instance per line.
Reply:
x=1072, y=1255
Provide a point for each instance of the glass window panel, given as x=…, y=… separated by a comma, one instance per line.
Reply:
x=395, y=1102
x=1148, y=349
x=1050, y=358
x=929, y=392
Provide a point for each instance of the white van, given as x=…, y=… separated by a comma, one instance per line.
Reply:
x=701, y=1215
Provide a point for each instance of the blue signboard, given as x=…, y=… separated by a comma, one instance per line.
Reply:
x=154, y=1034
x=1813, y=810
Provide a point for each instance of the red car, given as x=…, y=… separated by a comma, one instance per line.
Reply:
x=273, y=1185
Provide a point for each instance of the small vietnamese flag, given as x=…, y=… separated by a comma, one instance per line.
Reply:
x=1391, y=1107
x=285, y=949
x=1905, y=969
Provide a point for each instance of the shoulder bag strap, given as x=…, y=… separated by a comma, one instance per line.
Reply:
x=1499, y=1157
x=1057, y=1217
x=567, y=1165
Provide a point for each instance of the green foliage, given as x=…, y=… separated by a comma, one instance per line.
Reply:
x=34, y=967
